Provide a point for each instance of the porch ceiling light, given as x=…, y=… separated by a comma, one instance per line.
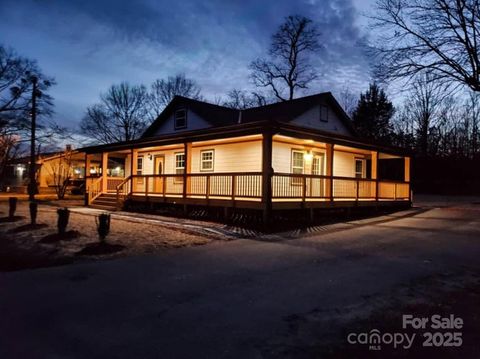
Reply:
x=308, y=156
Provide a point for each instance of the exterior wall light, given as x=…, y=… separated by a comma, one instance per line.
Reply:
x=308, y=156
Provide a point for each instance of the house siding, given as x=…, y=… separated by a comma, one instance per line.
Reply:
x=194, y=122
x=344, y=163
x=311, y=119
x=282, y=156
x=233, y=157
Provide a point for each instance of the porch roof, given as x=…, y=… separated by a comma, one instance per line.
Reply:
x=244, y=129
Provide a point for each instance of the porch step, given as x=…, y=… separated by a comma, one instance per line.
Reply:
x=104, y=208
x=105, y=201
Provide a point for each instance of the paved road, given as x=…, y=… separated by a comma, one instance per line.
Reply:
x=227, y=299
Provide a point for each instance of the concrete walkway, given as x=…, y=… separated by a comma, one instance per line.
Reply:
x=228, y=299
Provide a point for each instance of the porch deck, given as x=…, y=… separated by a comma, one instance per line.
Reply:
x=244, y=190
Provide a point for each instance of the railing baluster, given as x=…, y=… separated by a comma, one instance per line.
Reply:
x=358, y=190
x=208, y=187
x=234, y=178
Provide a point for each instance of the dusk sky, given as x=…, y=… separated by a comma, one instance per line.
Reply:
x=89, y=45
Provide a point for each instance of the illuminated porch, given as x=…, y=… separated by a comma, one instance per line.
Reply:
x=265, y=169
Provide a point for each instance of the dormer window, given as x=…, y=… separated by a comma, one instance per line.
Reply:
x=324, y=113
x=180, y=119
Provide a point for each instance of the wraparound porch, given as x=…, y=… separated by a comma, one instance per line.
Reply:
x=321, y=173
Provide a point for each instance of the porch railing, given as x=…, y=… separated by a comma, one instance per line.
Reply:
x=113, y=182
x=95, y=189
x=211, y=185
x=248, y=186
x=304, y=187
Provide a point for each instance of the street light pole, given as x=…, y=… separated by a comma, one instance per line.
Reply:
x=32, y=186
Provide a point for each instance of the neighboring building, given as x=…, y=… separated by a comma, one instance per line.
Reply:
x=300, y=154
x=69, y=163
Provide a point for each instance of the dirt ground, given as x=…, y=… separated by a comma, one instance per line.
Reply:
x=23, y=246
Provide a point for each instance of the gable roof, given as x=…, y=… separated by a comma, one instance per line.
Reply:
x=219, y=116
x=215, y=115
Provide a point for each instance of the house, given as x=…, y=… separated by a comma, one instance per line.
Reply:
x=51, y=167
x=64, y=165
x=298, y=154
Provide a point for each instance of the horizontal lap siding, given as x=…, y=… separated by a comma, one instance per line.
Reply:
x=282, y=156
x=233, y=157
x=169, y=161
x=343, y=164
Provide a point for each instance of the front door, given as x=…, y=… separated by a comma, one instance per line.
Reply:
x=318, y=184
x=159, y=170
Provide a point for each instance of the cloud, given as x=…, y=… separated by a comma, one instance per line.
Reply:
x=88, y=45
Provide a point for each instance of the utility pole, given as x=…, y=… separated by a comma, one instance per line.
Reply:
x=32, y=185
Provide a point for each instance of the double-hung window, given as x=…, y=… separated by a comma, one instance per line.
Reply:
x=360, y=168
x=297, y=166
x=179, y=166
x=139, y=169
x=206, y=160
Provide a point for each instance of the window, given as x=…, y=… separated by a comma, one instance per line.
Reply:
x=139, y=165
x=317, y=165
x=179, y=166
x=360, y=168
x=297, y=166
x=206, y=160
x=139, y=170
x=324, y=113
x=180, y=119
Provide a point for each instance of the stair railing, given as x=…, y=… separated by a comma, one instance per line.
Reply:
x=95, y=189
x=123, y=191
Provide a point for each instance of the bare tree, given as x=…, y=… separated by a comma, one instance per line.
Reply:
x=163, y=91
x=9, y=146
x=16, y=73
x=348, y=100
x=288, y=68
x=438, y=37
x=62, y=173
x=242, y=100
x=471, y=114
x=425, y=104
x=16, y=90
x=121, y=115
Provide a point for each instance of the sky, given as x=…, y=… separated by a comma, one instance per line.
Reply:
x=89, y=45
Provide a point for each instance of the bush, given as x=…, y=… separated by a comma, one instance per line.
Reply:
x=63, y=217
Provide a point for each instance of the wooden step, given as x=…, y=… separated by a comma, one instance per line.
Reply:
x=105, y=203
x=108, y=195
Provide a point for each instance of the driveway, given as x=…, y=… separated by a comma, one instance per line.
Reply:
x=234, y=299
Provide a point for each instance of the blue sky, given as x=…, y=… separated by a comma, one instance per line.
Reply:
x=89, y=45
